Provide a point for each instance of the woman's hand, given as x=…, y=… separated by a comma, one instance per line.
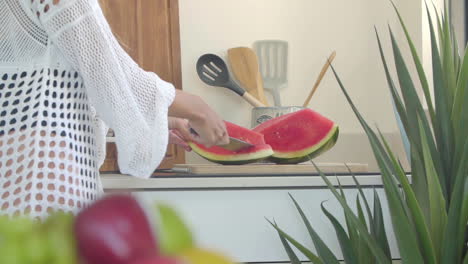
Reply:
x=209, y=126
x=179, y=133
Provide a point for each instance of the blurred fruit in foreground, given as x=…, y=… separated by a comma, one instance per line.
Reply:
x=24, y=241
x=158, y=260
x=114, y=230
x=60, y=238
x=172, y=233
x=204, y=256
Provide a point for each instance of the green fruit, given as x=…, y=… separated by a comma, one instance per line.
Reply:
x=59, y=231
x=15, y=227
x=35, y=248
x=173, y=234
x=23, y=240
x=11, y=251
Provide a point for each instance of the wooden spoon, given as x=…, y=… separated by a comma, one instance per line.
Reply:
x=320, y=77
x=245, y=68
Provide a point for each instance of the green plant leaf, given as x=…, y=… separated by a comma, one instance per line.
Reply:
x=419, y=179
x=460, y=115
x=364, y=254
x=345, y=243
x=437, y=202
x=360, y=212
x=311, y=256
x=391, y=84
x=443, y=125
x=420, y=223
x=375, y=144
x=453, y=238
x=378, y=253
x=413, y=105
x=419, y=183
x=291, y=254
x=418, y=64
x=448, y=59
x=409, y=93
x=459, y=111
x=404, y=231
x=415, y=111
x=322, y=249
x=361, y=192
x=464, y=217
x=375, y=219
x=460, y=89
x=352, y=232
x=456, y=56
x=379, y=226
x=439, y=20
x=377, y=147
x=405, y=235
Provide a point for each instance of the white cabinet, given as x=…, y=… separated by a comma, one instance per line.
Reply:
x=232, y=218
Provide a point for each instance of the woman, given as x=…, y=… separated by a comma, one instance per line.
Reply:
x=63, y=80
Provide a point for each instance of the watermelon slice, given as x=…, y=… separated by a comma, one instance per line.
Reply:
x=216, y=154
x=298, y=137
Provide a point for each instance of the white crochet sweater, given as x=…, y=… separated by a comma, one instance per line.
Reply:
x=63, y=75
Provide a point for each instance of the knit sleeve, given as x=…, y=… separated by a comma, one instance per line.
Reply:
x=131, y=101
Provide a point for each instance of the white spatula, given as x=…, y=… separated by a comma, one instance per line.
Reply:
x=273, y=60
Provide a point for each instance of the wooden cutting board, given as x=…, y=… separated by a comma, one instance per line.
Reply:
x=267, y=168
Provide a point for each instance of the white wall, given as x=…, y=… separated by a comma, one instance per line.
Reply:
x=314, y=29
x=458, y=20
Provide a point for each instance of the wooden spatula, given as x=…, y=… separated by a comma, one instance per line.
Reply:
x=319, y=78
x=244, y=66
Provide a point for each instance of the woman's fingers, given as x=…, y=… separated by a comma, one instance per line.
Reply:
x=211, y=133
x=175, y=138
x=210, y=128
x=183, y=128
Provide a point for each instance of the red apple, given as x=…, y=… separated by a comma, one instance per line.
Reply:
x=114, y=230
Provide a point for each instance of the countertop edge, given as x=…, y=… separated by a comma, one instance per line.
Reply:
x=123, y=182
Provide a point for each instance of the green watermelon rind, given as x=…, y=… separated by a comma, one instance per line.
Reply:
x=307, y=154
x=236, y=159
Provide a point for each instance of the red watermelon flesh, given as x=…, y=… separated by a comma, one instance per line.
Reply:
x=298, y=136
x=217, y=154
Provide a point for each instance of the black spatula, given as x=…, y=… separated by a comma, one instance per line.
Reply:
x=213, y=71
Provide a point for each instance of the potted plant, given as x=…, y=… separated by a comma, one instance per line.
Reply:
x=429, y=214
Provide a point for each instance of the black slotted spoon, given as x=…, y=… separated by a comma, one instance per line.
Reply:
x=213, y=71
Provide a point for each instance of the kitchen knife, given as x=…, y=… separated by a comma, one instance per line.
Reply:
x=234, y=144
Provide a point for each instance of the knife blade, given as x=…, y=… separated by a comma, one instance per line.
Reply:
x=234, y=144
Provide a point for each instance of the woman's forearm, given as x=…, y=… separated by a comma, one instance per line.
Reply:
x=185, y=106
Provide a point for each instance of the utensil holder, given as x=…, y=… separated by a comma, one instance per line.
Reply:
x=262, y=114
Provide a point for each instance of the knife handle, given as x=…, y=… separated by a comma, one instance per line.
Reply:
x=194, y=132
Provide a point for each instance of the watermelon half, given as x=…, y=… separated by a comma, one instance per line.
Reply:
x=217, y=154
x=298, y=137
